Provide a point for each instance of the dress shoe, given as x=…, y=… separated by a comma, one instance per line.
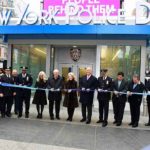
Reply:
x=70, y=119
x=38, y=116
x=20, y=115
x=104, y=124
x=41, y=116
x=16, y=113
x=67, y=119
x=52, y=118
x=147, y=124
x=88, y=122
x=8, y=115
x=3, y=116
x=115, y=122
x=118, y=124
x=58, y=118
x=26, y=115
x=99, y=121
x=83, y=120
x=130, y=124
x=135, y=125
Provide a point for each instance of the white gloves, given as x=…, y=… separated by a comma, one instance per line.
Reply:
x=116, y=92
x=100, y=90
x=83, y=89
x=129, y=93
x=88, y=90
x=58, y=90
x=52, y=89
x=69, y=91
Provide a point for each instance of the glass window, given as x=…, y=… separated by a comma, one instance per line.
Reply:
x=121, y=58
x=32, y=56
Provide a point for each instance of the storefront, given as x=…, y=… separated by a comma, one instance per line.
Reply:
x=74, y=45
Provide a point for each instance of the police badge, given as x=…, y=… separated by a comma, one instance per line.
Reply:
x=75, y=54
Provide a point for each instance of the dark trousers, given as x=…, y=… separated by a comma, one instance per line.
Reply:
x=6, y=105
x=103, y=109
x=118, y=107
x=57, y=107
x=135, y=110
x=87, y=108
x=148, y=107
x=70, y=112
x=16, y=104
x=26, y=100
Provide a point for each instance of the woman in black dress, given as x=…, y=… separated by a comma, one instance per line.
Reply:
x=70, y=100
x=40, y=95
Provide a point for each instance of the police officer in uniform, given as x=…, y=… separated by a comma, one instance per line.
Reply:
x=24, y=79
x=8, y=93
x=104, y=95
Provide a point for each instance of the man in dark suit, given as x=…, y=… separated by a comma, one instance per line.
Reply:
x=8, y=93
x=55, y=94
x=104, y=95
x=88, y=84
x=119, y=99
x=147, y=84
x=24, y=79
x=136, y=86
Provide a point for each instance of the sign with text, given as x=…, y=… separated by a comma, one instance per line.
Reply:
x=96, y=7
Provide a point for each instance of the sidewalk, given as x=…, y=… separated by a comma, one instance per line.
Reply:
x=95, y=116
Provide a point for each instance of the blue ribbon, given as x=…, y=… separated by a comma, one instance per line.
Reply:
x=78, y=90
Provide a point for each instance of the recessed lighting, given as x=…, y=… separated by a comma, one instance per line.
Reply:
x=74, y=46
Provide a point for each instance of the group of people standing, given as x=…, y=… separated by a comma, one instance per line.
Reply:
x=119, y=89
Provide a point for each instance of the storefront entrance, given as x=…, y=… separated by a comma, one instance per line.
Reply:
x=78, y=69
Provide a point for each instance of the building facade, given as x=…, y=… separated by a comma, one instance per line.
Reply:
x=77, y=44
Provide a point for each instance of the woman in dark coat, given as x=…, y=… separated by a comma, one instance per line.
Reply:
x=70, y=99
x=40, y=95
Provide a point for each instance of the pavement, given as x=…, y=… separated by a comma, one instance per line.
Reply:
x=45, y=134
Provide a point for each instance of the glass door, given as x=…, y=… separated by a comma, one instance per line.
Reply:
x=64, y=70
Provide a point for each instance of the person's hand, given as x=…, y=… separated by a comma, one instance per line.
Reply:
x=69, y=91
x=100, y=90
x=58, y=90
x=14, y=94
x=52, y=89
x=83, y=89
x=1, y=95
x=88, y=90
x=116, y=92
x=129, y=93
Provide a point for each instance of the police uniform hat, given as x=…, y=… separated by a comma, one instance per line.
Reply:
x=24, y=68
x=8, y=68
x=104, y=70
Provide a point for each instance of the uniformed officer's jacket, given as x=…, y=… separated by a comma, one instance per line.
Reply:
x=25, y=81
x=6, y=90
x=104, y=84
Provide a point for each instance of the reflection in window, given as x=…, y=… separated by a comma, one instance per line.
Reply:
x=32, y=56
x=121, y=58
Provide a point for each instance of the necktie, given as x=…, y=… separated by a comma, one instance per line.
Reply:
x=119, y=82
x=134, y=86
